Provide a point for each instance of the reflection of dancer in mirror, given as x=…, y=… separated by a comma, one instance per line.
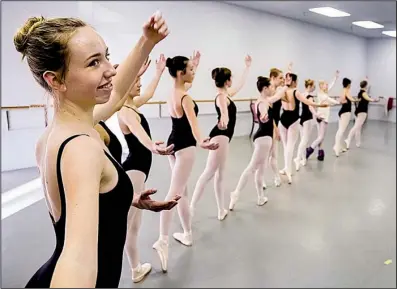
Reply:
x=222, y=134
x=344, y=114
x=276, y=83
x=323, y=114
x=307, y=121
x=184, y=136
x=263, y=141
x=361, y=114
x=289, y=121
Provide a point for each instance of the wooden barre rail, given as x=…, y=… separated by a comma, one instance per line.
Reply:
x=160, y=102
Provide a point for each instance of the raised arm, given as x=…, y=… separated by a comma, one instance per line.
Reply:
x=333, y=81
x=149, y=92
x=196, y=61
x=233, y=91
x=222, y=104
x=154, y=30
x=82, y=164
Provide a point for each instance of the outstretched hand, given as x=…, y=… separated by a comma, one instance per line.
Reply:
x=144, y=202
x=155, y=28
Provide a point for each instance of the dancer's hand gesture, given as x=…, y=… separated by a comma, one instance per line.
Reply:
x=155, y=28
x=206, y=144
x=144, y=202
x=160, y=64
x=195, y=58
x=157, y=149
x=337, y=74
x=248, y=61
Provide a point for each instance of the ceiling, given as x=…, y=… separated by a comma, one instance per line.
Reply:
x=382, y=12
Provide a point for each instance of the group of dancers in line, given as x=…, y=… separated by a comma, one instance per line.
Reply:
x=95, y=199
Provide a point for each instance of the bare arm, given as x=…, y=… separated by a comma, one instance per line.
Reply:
x=306, y=101
x=351, y=98
x=233, y=91
x=128, y=70
x=367, y=98
x=149, y=92
x=222, y=104
x=278, y=95
x=188, y=107
x=263, y=110
x=130, y=118
x=81, y=169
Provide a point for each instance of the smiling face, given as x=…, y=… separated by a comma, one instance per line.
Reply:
x=89, y=72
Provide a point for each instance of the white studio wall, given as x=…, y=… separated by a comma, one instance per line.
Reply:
x=223, y=34
x=381, y=67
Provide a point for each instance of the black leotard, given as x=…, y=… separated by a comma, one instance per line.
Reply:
x=277, y=111
x=112, y=228
x=139, y=157
x=362, y=104
x=289, y=117
x=265, y=128
x=232, y=112
x=346, y=107
x=306, y=114
x=181, y=135
x=114, y=145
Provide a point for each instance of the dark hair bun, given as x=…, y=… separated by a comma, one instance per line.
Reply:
x=168, y=62
x=215, y=72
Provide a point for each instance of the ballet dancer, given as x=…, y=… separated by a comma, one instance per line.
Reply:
x=222, y=134
x=136, y=131
x=276, y=83
x=344, y=114
x=307, y=121
x=289, y=121
x=263, y=141
x=322, y=118
x=87, y=192
x=106, y=135
x=361, y=114
x=184, y=136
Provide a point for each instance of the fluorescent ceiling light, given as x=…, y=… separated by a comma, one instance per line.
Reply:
x=390, y=33
x=329, y=11
x=368, y=24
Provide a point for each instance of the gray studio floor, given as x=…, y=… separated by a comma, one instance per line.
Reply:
x=334, y=227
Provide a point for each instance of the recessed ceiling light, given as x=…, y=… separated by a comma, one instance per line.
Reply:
x=368, y=24
x=329, y=11
x=390, y=33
